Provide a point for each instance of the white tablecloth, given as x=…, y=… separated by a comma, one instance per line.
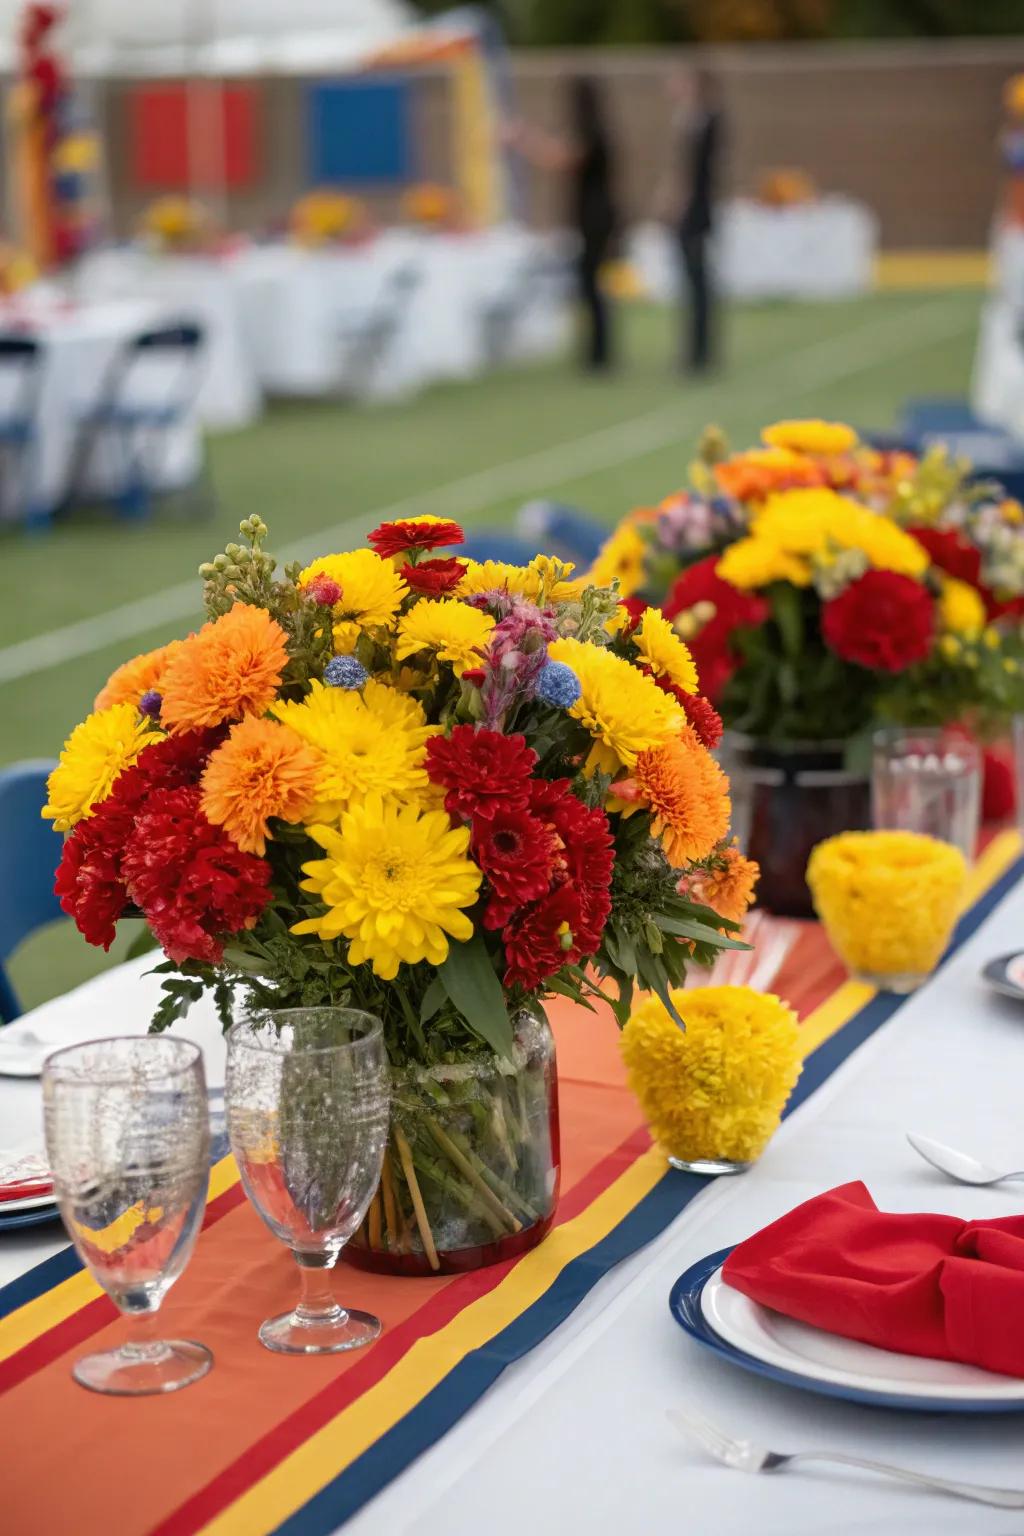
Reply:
x=80, y=343
x=304, y=311
x=574, y=1436
x=819, y=250
x=197, y=288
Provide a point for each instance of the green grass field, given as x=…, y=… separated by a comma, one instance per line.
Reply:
x=90, y=594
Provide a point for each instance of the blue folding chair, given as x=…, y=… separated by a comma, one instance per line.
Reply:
x=564, y=530
x=29, y=854
x=21, y=371
x=507, y=547
x=151, y=386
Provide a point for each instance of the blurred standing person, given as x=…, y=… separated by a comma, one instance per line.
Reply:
x=700, y=128
x=584, y=158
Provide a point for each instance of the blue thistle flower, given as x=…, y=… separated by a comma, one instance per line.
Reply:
x=345, y=672
x=150, y=704
x=558, y=685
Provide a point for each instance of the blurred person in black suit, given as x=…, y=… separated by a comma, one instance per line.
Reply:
x=586, y=160
x=700, y=130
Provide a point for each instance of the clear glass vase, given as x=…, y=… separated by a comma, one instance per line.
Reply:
x=471, y=1172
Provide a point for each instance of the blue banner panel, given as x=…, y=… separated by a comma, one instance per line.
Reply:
x=359, y=132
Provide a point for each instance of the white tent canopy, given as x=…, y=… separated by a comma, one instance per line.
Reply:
x=167, y=37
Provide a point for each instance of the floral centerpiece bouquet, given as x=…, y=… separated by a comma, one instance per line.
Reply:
x=326, y=216
x=437, y=790
x=823, y=587
x=177, y=224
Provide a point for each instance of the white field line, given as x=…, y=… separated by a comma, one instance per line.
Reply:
x=798, y=372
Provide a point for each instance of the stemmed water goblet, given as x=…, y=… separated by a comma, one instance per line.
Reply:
x=128, y=1143
x=307, y=1107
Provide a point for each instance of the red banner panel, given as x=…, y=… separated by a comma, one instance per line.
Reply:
x=201, y=135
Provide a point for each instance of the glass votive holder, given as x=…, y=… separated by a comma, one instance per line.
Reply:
x=889, y=902
x=927, y=779
x=713, y=1093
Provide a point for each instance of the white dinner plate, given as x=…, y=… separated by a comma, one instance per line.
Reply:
x=801, y=1350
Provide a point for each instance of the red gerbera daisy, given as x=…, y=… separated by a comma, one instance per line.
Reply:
x=432, y=578
x=883, y=621
x=586, y=857
x=516, y=852
x=483, y=771
x=414, y=533
x=190, y=880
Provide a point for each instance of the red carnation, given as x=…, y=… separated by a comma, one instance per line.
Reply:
x=951, y=552
x=713, y=647
x=89, y=881
x=189, y=878
x=516, y=852
x=395, y=538
x=882, y=621
x=541, y=939
x=432, y=578
x=483, y=771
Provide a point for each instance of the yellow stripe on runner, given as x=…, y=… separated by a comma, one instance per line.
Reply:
x=57, y=1305
x=327, y=1453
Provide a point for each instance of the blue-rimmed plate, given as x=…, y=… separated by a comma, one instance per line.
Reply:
x=784, y=1350
x=1006, y=974
x=33, y=1216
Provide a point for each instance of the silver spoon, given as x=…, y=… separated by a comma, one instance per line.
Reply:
x=958, y=1165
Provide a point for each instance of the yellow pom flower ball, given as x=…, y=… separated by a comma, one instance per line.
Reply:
x=717, y=1090
x=816, y=437
x=889, y=902
x=961, y=610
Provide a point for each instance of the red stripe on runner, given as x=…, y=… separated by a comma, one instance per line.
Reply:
x=93, y=1316
x=267, y=1452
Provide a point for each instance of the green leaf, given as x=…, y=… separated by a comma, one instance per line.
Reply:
x=433, y=998
x=469, y=979
x=568, y=989
x=142, y=943
x=653, y=978
x=683, y=928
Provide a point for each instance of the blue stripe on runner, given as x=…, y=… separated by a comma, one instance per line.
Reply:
x=442, y=1408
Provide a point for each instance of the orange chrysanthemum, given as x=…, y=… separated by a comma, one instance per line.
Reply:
x=262, y=770
x=230, y=669
x=133, y=678
x=756, y=474
x=728, y=887
x=687, y=795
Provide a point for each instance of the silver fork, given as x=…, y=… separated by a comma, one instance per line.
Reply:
x=745, y=1456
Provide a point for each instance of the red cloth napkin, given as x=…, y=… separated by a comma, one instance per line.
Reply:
x=918, y=1284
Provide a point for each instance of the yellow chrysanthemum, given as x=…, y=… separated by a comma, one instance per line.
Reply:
x=822, y=438
x=371, y=593
x=889, y=901
x=793, y=529
x=394, y=883
x=664, y=652
x=450, y=628
x=625, y=712
x=551, y=581
x=719, y=1089
x=621, y=559
x=961, y=610
x=494, y=576
x=94, y=754
x=374, y=740
x=752, y=563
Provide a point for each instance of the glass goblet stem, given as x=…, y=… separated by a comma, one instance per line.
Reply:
x=317, y=1303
